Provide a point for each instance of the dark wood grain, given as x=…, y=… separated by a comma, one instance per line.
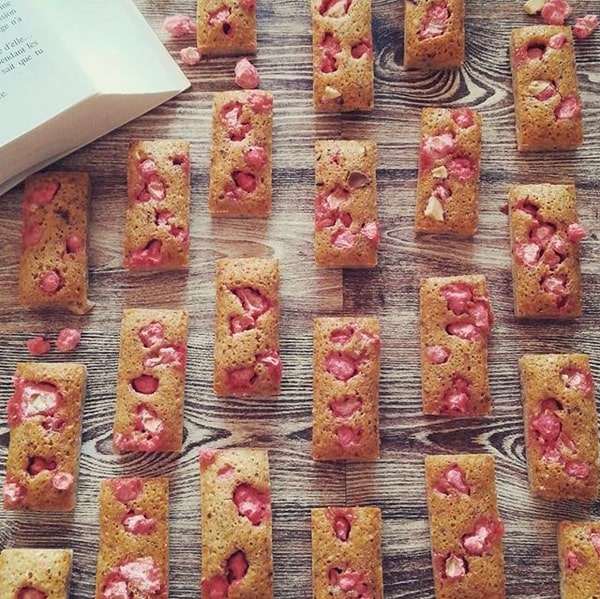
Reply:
x=396, y=481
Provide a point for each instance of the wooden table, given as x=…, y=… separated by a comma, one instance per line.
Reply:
x=396, y=481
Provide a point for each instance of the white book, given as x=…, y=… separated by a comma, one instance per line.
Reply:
x=70, y=72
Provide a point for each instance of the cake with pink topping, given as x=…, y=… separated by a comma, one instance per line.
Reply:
x=434, y=34
x=579, y=559
x=346, y=227
x=545, y=237
x=449, y=167
x=342, y=50
x=133, y=553
x=466, y=530
x=346, y=357
x=240, y=163
x=236, y=524
x=226, y=27
x=247, y=361
x=346, y=552
x=547, y=99
x=35, y=573
x=54, y=264
x=561, y=428
x=157, y=228
x=150, y=381
x=455, y=325
x=44, y=416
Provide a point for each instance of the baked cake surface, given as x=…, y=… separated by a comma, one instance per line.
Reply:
x=545, y=237
x=455, y=325
x=466, y=530
x=236, y=524
x=54, y=263
x=347, y=231
x=346, y=552
x=346, y=363
x=547, y=99
x=44, y=416
x=247, y=361
x=561, y=428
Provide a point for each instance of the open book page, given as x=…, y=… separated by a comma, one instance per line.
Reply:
x=71, y=71
x=115, y=45
x=39, y=77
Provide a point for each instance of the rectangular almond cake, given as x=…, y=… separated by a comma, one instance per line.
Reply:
x=545, y=237
x=150, y=380
x=54, y=256
x=466, y=530
x=236, y=523
x=547, y=99
x=346, y=552
x=455, y=324
x=240, y=161
x=342, y=55
x=346, y=362
x=44, y=416
x=561, y=428
x=346, y=227
x=247, y=361
x=133, y=556
x=449, y=167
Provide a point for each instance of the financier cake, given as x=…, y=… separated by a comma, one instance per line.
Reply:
x=54, y=264
x=157, y=228
x=346, y=228
x=346, y=361
x=346, y=552
x=240, y=163
x=546, y=91
x=235, y=496
x=342, y=55
x=44, y=416
x=561, y=428
x=133, y=554
x=466, y=530
x=455, y=324
x=449, y=167
x=226, y=27
x=247, y=361
x=434, y=34
x=150, y=380
x=35, y=573
x=545, y=237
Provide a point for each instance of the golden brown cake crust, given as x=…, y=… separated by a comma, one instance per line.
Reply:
x=134, y=528
x=579, y=559
x=44, y=416
x=227, y=476
x=157, y=228
x=542, y=55
x=346, y=543
x=561, y=429
x=150, y=380
x=455, y=324
x=448, y=182
x=54, y=263
x=45, y=570
x=226, y=27
x=346, y=226
x=247, y=361
x=346, y=361
x=342, y=56
x=463, y=513
x=241, y=162
x=545, y=256
x=445, y=49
